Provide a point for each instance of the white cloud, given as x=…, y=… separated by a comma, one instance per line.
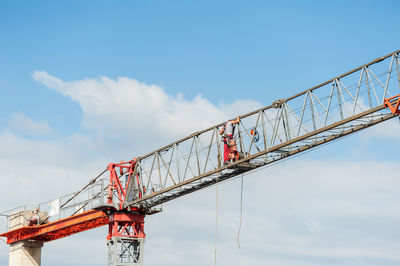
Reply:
x=296, y=213
x=132, y=111
x=20, y=123
x=39, y=170
x=386, y=130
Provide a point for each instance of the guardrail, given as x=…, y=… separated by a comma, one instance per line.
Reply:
x=91, y=197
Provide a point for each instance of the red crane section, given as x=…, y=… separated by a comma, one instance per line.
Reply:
x=125, y=225
x=120, y=223
x=59, y=229
x=394, y=108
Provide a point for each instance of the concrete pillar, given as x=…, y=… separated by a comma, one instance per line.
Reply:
x=25, y=253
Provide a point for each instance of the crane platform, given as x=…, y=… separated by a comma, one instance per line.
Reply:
x=58, y=229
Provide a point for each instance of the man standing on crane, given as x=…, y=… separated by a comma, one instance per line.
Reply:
x=227, y=132
x=34, y=219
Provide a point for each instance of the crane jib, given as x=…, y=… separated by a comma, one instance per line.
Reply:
x=127, y=191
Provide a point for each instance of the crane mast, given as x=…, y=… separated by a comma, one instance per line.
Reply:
x=123, y=194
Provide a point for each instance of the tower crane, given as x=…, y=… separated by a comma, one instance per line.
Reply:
x=124, y=193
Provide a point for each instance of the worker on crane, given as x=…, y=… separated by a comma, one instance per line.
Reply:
x=227, y=131
x=34, y=219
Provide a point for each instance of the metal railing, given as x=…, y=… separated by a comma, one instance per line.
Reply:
x=93, y=196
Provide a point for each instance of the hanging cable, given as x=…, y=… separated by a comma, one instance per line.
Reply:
x=241, y=211
x=216, y=223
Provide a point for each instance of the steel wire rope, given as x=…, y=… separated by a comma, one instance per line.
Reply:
x=216, y=224
x=319, y=115
x=343, y=94
x=285, y=159
x=294, y=112
x=353, y=86
x=281, y=160
x=202, y=149
x=241, y=212
x=281, y=134
x=205, y=148
x=87, y=185
x=253, y=172
x=350, y=88
x=261, y=168
x=77, y=193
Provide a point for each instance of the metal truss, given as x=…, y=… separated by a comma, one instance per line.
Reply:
x=125, y=239
x=333, y=109
x=125, y=251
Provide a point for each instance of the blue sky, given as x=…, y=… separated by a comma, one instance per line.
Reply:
x=238, y=55
x=259, y=49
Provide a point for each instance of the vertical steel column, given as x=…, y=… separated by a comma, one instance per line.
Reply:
x=126, y=239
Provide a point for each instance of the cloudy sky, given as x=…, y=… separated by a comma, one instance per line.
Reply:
x=86, y=83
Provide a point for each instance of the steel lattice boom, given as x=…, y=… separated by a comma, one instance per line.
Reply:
x=123, y=194
x=338, y=107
